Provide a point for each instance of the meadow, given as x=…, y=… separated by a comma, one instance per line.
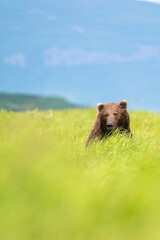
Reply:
x=52, y=187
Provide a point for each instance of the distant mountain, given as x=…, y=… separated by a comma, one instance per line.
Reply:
x=22, y=102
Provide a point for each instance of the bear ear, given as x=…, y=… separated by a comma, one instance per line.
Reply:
x=100, y=106
x=123, y=104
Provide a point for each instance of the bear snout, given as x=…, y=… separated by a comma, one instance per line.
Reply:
x=110, y=126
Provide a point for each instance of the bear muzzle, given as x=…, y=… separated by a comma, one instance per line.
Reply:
x=110, y=126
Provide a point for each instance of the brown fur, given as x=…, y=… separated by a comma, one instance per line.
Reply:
x=110, y=117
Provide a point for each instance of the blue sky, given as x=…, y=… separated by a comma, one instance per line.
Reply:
x=87, y=51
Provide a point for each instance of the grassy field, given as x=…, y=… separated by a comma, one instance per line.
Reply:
x=53, y=188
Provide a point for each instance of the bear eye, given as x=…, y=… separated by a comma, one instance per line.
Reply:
x=115, y=114
x=106, y=115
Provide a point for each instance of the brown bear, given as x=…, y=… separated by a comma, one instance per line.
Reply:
x=110, y=117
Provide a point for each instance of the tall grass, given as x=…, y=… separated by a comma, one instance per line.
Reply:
x=52, y=187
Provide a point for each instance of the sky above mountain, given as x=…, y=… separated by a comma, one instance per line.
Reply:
x=87, y=51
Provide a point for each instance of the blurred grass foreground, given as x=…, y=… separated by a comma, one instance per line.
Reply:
x=52, y=187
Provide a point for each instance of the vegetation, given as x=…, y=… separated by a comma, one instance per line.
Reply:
x=52, y=187
x=20, y=102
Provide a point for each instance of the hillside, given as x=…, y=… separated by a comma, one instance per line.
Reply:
x=52, y=187
x=21, y=102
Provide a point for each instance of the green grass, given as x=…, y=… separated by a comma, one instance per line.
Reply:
x=52, y=187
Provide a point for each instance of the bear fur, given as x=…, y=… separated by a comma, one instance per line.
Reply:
x=110, y=117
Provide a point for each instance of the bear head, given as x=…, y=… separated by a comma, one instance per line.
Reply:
x=113, y=116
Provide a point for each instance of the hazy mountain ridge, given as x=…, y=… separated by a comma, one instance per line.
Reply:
x=24, y=102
